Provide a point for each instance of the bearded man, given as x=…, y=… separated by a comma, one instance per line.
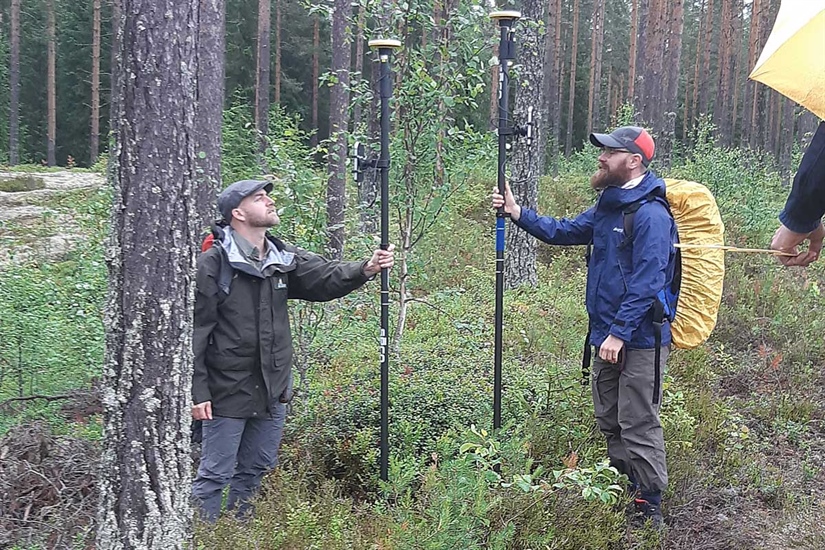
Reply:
x=625, y=274
x=242, y=342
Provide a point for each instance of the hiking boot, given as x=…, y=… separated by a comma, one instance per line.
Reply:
x=650, y=512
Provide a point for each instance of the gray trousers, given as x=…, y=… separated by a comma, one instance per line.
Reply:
x=626, y=415
x=238, y=452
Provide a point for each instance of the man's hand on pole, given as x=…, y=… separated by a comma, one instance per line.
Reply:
x=786, y=240
x=507, y=200
x=202, y=411
x=381, y=259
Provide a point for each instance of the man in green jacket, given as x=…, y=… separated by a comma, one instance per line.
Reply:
x=243, y=344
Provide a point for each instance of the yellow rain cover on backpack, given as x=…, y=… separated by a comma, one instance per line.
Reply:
x=703, y=270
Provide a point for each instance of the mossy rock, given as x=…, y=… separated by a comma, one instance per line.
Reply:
x=21, y=183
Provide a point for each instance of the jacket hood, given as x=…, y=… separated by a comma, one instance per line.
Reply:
x=618, y=198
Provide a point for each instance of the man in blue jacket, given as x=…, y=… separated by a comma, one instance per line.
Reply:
x=625, y=273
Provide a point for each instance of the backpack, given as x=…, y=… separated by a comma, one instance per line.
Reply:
x=699, y=274
x=696, y=286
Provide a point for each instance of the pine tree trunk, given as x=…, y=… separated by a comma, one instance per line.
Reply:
x=361, y=25
x=555, y=87
x=316, y=72
x=806, y=126
x=145, y=471
x=642, y=43
x=368, y=187
x=721, y=115
x=527, y=162
x=571, y=100
x=669, y=105
x=14, y=84
x=278, y=52
x=262, y=76
x=736, y=60
x=652, y=112
x=117, y=13
x=338, y=105
x=597, y=38
x=787, y=140
x=209, y=107
x=51, y=84
x=694, y=118
x=634, y=41
x=94, y=136
x=752, y=123
x=773, y=136
x=705, y=79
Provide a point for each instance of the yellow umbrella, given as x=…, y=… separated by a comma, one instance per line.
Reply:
x=793, y=60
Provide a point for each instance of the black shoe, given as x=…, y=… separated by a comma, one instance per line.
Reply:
x=650, y=512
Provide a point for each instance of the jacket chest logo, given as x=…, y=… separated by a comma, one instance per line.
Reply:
x=619, y=230
x=280, y=284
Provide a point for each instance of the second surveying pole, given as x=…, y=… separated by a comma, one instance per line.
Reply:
x=506, y=53
x=385, y=48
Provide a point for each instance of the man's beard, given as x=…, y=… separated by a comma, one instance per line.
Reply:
x=604, y=178
x=266, y=221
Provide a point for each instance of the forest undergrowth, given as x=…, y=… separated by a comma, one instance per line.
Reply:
x=743, y=414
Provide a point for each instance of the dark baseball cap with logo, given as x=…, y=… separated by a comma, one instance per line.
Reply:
x=634, y=139
x=231, y=197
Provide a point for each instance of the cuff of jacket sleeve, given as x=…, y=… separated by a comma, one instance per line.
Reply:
x=527, y=218
x=364, y=272
x=623, y=333
x=201, y=396
x=797, y=226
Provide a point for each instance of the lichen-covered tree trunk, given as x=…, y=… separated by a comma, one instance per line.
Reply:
x=527, y=162
x=145, y=470
x=209, y=107
x=338, y=103
x=14, y=83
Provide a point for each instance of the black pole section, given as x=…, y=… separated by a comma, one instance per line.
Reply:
x=385, y=48
x=506, y=52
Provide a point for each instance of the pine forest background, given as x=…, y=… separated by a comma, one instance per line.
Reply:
x=618, y=51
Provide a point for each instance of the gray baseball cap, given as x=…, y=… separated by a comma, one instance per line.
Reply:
x=231, y=197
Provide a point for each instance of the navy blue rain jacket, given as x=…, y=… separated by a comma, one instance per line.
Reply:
x=806, y=203
x=623, y=278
